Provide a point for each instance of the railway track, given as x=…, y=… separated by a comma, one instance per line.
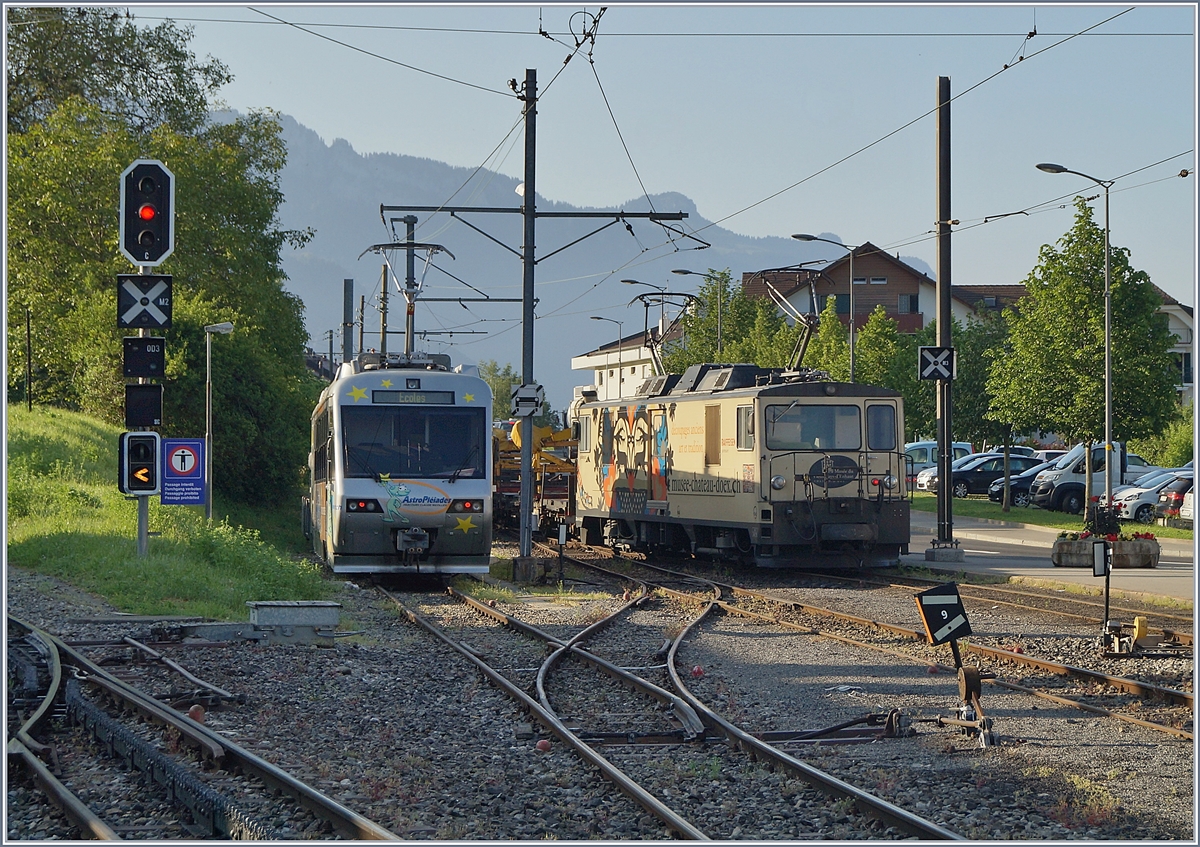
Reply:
x=689, y=782
x=79, y=716
x=1144, y=703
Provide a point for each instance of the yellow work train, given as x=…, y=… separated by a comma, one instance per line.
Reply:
x=766, y=466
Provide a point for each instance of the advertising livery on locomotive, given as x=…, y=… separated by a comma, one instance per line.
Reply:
x=401, y=468
x=771, y=467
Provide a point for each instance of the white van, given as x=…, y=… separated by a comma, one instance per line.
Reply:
x=1060, y=487
x=924, y=454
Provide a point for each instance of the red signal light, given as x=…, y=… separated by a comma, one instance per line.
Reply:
x=147, y=212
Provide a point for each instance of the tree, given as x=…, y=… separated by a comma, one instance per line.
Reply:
x=829, y=351
x=139, y=77
x=1053, y=378
x=501, y=381
x=769, y=340
x=89, y=93
x=876, y=346
x=722, y=316
x=983, y=339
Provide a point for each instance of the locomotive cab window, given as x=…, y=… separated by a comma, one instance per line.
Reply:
x=414, y=442
x=745, y=427
x=881, y=427
x=825, y=428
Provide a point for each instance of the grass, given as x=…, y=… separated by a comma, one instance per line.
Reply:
x=981, y=507
x=66, y=519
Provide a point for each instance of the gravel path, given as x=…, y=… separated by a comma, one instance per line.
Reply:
x=400, y=730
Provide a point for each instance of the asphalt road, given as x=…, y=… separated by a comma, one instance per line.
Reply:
x=1024, y=550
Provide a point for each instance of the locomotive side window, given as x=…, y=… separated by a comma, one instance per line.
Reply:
x=585, y=435
x=745, y=427
x=415, y=441
x=881, y=427
x=320, y=441
x=825, y=428
x=712, y=435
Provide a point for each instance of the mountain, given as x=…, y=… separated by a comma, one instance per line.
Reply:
x=338, y=192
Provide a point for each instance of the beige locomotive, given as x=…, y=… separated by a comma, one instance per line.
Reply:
x=766, y=466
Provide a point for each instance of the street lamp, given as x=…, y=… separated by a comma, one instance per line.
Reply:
x=850, y=306
x=224, y=328
x=1108, y=413
x=720, y=296
x=620, y=348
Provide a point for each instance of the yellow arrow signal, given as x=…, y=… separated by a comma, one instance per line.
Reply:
x=142, y=474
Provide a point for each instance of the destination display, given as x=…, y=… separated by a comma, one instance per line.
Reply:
x=383, y=395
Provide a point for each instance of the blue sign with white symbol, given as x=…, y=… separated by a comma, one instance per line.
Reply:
x=182, y=472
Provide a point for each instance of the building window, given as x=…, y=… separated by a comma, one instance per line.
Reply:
x=908, y=304
x=879, y=280
x=860, y=280
x=1183, y=367
x=843, y=304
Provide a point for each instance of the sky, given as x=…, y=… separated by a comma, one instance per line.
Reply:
x=775, y=119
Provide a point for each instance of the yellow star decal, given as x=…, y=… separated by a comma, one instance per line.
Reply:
x=468, y=398
x=387, y=383
x=464, y=524
x=358, y=393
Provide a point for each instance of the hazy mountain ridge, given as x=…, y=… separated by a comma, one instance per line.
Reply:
x=338, y=192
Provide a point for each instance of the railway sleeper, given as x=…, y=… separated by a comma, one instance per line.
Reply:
x=211, y=813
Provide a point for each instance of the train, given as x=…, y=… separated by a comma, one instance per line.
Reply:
x=400, y=468
x=763, y=466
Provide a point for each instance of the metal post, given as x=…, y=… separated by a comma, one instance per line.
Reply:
x=410, y=284
x=383, y=311
x=1108, y=409
x=528, y=210
x=143, y=527
x=362, y=312
x=852, y=249
x=945, y=528
x=208, y=422
x=28, y=363
x=347, y=320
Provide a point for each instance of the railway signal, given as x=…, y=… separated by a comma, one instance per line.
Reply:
x=144, y=356
x=147, y=212
x=141, y=473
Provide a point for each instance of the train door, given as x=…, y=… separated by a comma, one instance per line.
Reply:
x=322, y=483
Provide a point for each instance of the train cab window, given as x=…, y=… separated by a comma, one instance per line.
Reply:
x=606, y=437
x=585, y=435
x=415, y=441
x=745, y=427
x=881, y=427
x=823, y=428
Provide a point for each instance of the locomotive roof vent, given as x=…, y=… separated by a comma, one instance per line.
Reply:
x=657, y=385
x=418, y=361
x=729, y=377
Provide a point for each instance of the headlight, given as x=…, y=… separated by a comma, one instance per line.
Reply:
x=890, y=482
x=778, y=482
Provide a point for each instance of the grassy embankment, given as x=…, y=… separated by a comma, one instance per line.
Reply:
x=67, y=519
x=981, y=507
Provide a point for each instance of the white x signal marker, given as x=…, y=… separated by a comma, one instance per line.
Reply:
x=144, y=302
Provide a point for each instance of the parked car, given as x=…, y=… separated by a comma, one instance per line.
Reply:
x=1062, y=485
x=974, y=477
x=1018, y=485
x=1049, y=455
x=926, y=475
x=924, y=454
x=1138, y=502
x=1185, y=510
x=1170, y=498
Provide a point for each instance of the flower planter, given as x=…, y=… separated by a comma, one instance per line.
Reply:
x=1138, y=553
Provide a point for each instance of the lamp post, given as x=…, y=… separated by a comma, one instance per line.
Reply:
x=851, y=247
x=720, y=297
x=1108, y=413
x=224, y=328
x=620, y=348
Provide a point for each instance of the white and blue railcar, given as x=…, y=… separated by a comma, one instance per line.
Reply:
x=401, y=468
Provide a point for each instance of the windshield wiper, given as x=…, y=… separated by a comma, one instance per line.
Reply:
x=454, y=476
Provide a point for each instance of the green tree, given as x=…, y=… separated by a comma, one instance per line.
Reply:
x=723, y=315
x=140, y=77
x=768, y=341
x=977, y=344
x=829, y=351
x=1175, y=447
x=1053, y=378
x=876, y=347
